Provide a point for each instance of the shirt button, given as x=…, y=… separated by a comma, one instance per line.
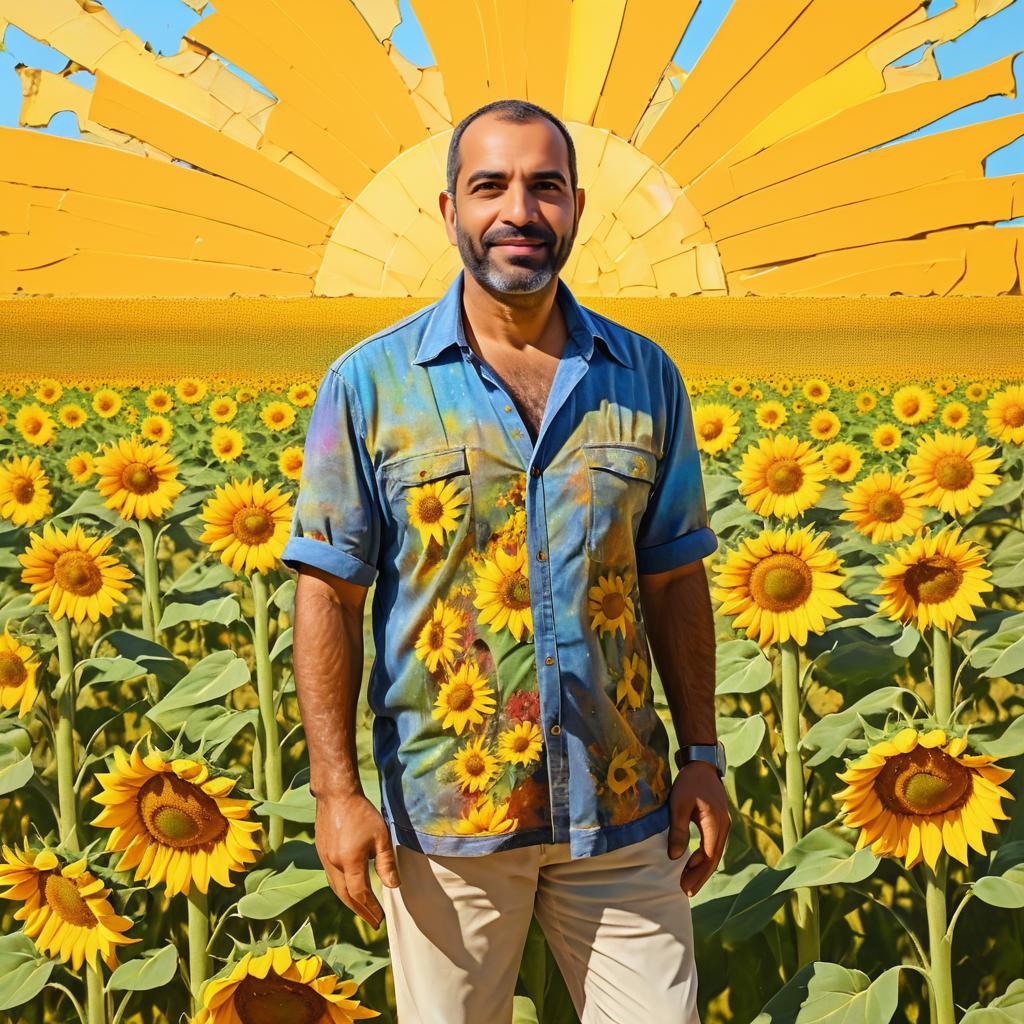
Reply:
x=542, y=555
x=555, y=729
x=534, y=471
x=549, y=660
x=508, y=408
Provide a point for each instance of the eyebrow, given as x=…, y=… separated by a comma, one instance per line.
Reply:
x=492, y=175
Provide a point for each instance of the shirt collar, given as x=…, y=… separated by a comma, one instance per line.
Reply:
x=444, y=326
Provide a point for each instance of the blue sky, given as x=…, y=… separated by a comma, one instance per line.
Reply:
x=162, y=22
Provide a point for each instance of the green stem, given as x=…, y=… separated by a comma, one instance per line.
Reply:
x=940, y=944
x=198, y=940
x=151, y=576
x=942, y=679
x=805, y=898
x=64, y=747
x=96, y=999
x=270, y=744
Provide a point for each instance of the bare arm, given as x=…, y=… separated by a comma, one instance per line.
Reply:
x=328, y=660
x=681, y=631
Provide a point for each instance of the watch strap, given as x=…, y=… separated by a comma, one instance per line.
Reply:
x=713, y=753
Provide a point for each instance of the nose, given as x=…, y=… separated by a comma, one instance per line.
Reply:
x=520, y=205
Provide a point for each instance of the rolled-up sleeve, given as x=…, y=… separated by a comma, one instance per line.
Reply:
x=674, y=528
x=336, y=520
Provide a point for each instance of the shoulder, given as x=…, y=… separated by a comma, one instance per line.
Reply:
x=396, y=339
x=648, y=357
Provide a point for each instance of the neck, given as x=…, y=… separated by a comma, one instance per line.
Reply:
x=510, y=321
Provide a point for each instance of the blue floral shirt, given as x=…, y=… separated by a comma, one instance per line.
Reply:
x=511, y=686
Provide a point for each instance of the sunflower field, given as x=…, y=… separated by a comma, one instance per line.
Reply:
x=157, y=826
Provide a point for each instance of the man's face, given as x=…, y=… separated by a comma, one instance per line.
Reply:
x=513, y=185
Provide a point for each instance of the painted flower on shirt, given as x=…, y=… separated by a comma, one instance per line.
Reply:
x=622, y=772
x=435, y=509
x=475, y=765
x=439, y=642
x=611, y=604
x=485, y=818
x=503, y=592
x=633, y=682
x=465, y=697
x=521, y=744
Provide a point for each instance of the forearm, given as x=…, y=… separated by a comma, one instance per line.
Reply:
x=681, y=632
x=328, y=660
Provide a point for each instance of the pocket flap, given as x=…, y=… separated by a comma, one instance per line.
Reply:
x=626, y=460
x=418, y=469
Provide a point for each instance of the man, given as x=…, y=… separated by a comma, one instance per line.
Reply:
x=519, y=477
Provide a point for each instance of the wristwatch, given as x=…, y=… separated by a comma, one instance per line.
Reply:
x=711, y=752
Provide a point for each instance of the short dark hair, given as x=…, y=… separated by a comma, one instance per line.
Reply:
x=518, y=111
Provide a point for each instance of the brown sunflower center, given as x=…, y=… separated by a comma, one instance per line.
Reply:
x=12, y=669
x=437, y=636
x=139, y=478
x=179, y=814
x=63, y=898
x=613, y=605
x=33, y=425
x=516, y=592
x=460, y=697
x=620, y=774
x=77, y=573
x=277, y=1000
x=887, y=506
x=953, y=472
x=933, y=580
x=430, y=508
x=474, y=764
x=781, y=582
x=24, y=490
x=784, y=477
x=252, y=525
x=710, y=429
x=520, y=742
x=1013, y=415
x=925, y=781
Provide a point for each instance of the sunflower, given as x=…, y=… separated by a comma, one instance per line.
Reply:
x=784, y=387
x=139, y=480
x=915, y=793
x=246, y=394
x=156, y=428
x=521, y=744
x=35, y=424
x=715, y=427
x=956, y=415
x=159, y=401
x=71, y=573
x=278, y=415
x=622, y=772
x=464, y=698
x=945, y=386
x=227, y=443
x=223, y=409
x=781, y=476
x=72, y=415
x=106, y=403
x=886, y=437
x=632, y=686
x=275, y=987
x=64, y=906
x=843, y=461
x=48, y=391
x=18, y=668
x=503, y=592
x=955, y=473
x=770, y=415
x=291, y=461
x=302, y=395
x=823, y=425
x=191, y=390
x=781, y=585
x=912, y=404
x=816, y=391
x=248, y=523
x=25, y=496
x=1004, y=414
x=475, y=765
x=438, y=640
x=81, y=466
x=866, y=401
x=486, y=819
x=610, y=604
x=435, y=509
x=976, y=392
x=934, y=580
x=174, y=822
x=885, y=506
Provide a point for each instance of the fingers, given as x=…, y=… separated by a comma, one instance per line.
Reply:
x=679, y=829
x=700, y=867
x=384, y=860
x=364, y=902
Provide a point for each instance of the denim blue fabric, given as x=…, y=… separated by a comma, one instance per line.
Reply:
x=511, y=686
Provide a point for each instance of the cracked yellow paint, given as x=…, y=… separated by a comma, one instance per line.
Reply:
x=757, y=173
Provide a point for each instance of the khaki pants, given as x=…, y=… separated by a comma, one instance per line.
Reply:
x=617, y=923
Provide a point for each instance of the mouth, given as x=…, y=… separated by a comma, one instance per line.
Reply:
x=525, y=247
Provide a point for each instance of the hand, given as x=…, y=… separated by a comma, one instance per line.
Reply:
x=350, y=830
x=698, y=795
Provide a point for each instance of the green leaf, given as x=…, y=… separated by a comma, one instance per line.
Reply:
x=1009, y=661
x=741, y=737
x=281, y=644
x=201, y=576
x=1006, y=890
x=831, y=735
x=153, y=969
x=15, y=769
x=823, y=858
x=825, y=993
x=23, y=972
x=284, y=596
x=295, y=805
x=741, y=667
x=91, y=503
x=212, y=678
x=855, y=662
x=214, y=725
x=110, y=670
x=907, y=643
x=274, y=893
x=223, y=610
x=151, y=656
x=1005, y=1009
x=1009, y=744
x=352, y=962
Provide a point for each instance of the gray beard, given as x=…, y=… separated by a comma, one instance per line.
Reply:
x=524, y=280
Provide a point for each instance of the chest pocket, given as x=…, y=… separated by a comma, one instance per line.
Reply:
x=621, y=478
x=431, y=499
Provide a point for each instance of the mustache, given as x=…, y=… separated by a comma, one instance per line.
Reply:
x=529, y=235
